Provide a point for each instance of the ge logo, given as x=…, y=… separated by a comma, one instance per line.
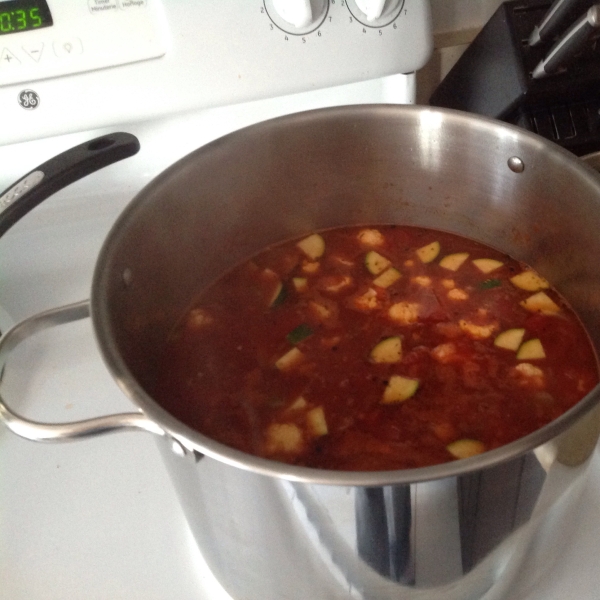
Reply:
x=28, y=99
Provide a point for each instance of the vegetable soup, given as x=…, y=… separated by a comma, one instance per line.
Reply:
x=376, y=348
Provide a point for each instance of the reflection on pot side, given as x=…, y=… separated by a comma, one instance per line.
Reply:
x=455, y=538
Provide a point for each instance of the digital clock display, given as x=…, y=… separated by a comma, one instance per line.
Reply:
x=23, y=15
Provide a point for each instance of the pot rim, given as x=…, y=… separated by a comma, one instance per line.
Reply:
x=200, y=444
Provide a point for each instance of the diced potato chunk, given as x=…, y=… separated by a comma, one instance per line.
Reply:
x=448, y=283
x=387, y=278
x=529, y=370
x=342, y=261
x=315, y=419
x=465, y=448
x=457, y=294
x=529, y=281
x=310, y=266
x=388, y=350
x=429, y=252
x=313, y=246
x=319, y=310
x=422, y=280
x=289, y=359
x=531, y=350
x=371, y=237
x=540, y=302
x=376, y=263
x=444, y=353
x=453, y=262
x=367, y=301
x=479, y=332
x=284, y=437
x=510, y=339
x=530, y=375
x=487, y=265
x=404, y=312
x=399, y=389
x=335, y=283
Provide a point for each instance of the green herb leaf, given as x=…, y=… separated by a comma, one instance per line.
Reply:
x=488, y=284
x=298, y=334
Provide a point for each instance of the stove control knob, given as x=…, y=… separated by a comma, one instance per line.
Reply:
x=297, y=16
x=372, y=9
x=295, y=12
x=377, y=13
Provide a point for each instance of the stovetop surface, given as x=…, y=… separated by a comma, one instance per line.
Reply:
x=99, y=518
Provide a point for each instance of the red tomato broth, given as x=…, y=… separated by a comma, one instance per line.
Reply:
x=220, y=375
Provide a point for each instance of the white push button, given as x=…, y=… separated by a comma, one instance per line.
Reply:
x=68, y=47
x=8, y=59
x=125, y=4
x=34, y=51
x=102, y=6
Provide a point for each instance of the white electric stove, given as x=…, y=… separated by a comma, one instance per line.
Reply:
x=99, y=519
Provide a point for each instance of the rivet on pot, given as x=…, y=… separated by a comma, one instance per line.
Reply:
x=127, y=277
x=516, y=164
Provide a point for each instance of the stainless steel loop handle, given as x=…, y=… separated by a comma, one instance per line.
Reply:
x=59, y=432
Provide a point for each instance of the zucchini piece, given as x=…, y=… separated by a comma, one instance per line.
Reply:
x=279, y=295
x=531, y=350
x=271, y=287
x=315, y=419
x=487, y=265
x=284, y=437
x=298, y=334
x=289, y=359
x=387, y=278
x=388, y=350
x=453, y=262
x=300, y=284
x=540, y=302
x=428, y=253
x=529, y=281
x=313, y=246
x=298, y=403
x=465, y=448
x=376, y=263
x=399, y=389
x=510, y=339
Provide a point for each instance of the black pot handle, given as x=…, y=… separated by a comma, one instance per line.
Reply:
x=60, y=171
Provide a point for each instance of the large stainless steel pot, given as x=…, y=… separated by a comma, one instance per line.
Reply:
x=273, y=531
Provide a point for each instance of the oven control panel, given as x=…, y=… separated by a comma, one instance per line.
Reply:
x=74, y=65
x=39, y=41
